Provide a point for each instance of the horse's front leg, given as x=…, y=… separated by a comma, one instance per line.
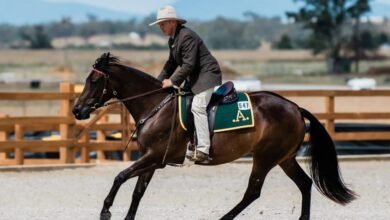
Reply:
x=141, y=166
x=142, y=184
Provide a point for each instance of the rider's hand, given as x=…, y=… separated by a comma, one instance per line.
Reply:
x=167, y=83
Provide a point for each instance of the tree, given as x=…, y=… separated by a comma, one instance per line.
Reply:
x=92, y=18
x=325, y=18
x=37, y=37
x=8, y=35
x=233, y=35
x=383, y=38
x=284, y=42
x=86, y=31
x=356, y=11
x=367, y=41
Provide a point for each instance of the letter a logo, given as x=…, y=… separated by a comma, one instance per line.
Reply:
x=240, y=116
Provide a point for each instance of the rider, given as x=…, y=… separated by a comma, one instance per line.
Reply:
x=199, y=69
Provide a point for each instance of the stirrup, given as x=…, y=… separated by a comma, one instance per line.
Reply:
x=201, y=157
x=190, y=154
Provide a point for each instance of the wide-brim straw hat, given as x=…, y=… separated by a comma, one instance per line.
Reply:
x=167, y=13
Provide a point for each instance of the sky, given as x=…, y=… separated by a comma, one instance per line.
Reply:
x=127, y=6
x=21, y=12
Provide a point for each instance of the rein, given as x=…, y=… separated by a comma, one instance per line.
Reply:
x=133, y=97
x=151, y=114
x=172, y=127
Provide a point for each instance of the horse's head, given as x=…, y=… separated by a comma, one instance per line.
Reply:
x=98, y=87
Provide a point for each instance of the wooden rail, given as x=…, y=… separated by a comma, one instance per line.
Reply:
x=74, y=143
x=340, y=100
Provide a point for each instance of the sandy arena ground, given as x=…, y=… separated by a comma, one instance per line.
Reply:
x=185, y=193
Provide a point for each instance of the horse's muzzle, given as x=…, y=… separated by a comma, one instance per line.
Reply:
x=82, y=112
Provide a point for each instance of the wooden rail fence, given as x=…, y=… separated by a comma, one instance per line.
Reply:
x=74, y=143
x=348, y=106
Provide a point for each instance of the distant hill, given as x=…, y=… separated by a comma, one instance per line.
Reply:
x=210, y=9
x=19, y=12
x=206, y=9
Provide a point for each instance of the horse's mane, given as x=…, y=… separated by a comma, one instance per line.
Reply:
x=106, y=61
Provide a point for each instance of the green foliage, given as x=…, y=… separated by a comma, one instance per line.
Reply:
x=63, y=28
x=225, y=33
x=37, y=37
x=284, y=43
x=326, y=20
x=383, y=38
x=369, y=40
x=8, y=34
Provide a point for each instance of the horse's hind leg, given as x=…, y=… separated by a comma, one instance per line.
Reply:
x=141, y=166
x=256, y=180
x=142, y=184
x=303, y=181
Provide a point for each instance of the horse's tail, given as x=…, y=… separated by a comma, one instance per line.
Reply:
x=324, y=167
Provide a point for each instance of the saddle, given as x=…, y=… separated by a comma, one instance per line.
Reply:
x=225, y=94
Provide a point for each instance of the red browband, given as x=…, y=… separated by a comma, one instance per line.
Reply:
x=97, y=71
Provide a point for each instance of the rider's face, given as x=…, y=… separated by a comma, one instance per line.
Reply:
x=168, y=27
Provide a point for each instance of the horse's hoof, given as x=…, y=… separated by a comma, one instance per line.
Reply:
x=305, y=217
x=105, y=215
x=227, y=217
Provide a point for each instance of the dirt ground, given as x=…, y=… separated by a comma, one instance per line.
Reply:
x=186, y=193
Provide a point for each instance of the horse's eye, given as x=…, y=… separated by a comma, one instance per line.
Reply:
x=94, y=81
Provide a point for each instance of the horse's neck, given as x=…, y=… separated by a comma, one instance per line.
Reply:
x=140, y=106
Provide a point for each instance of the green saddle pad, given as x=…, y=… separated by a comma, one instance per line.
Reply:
x=236, y=115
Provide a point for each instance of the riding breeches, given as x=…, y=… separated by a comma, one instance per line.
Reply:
x=199, y=110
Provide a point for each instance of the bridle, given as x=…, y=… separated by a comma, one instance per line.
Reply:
x=104, y=92
x=100, y=103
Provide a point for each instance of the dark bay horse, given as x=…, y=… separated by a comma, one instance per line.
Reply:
x=278, y=134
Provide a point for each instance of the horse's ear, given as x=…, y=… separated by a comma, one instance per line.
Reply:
x=96, y=62
x=107, y=58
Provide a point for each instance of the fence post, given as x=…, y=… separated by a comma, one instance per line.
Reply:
x=329, y=108
x=19, y=136
x=125, y=119
x=100, y=137
x=67, y=130
x=87, y=127
x=3, y=137
x=84, y=149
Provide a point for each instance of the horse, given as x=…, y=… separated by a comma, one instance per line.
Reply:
x=278, y=134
